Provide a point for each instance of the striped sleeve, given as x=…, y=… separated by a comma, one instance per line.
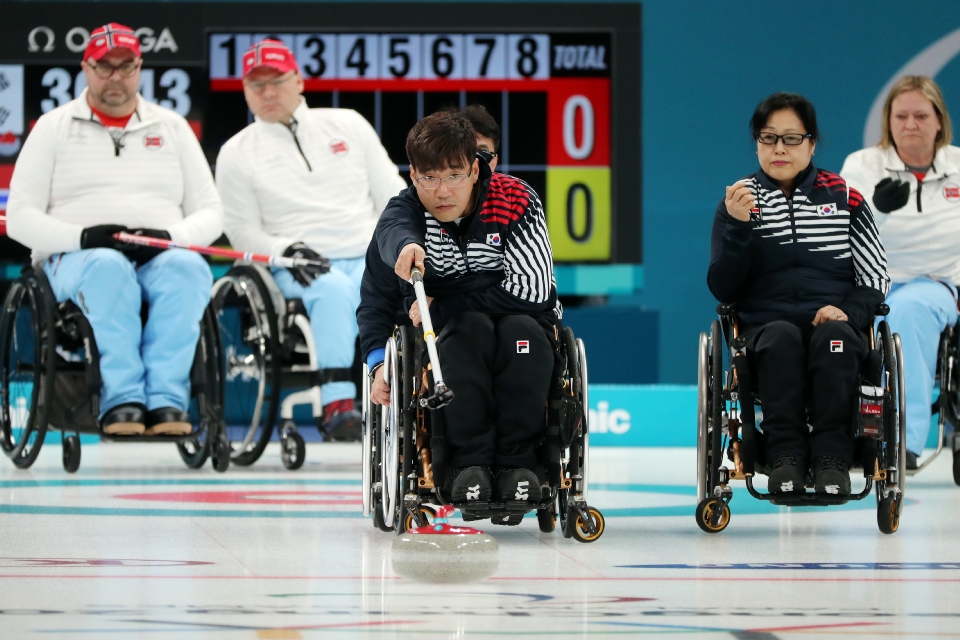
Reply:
x=528, y=257
x=869, y=258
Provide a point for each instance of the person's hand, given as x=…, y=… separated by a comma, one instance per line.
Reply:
x=139, y=253
x=305, y=275
x=890, y=195
x=101, y=237
x=739, y=201
x=380, y=390
x=410, y=256
x=415, y=311
x=828, y=313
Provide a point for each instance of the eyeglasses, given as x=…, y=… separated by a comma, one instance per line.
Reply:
x=105, y=70
x=432, y=184
x=486, y=155
x=259, y=86
x=789, y=139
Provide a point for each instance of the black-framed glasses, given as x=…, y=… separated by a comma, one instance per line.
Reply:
x=105, y=70
x=789, y=139
x=486, y=155
x=431, y=183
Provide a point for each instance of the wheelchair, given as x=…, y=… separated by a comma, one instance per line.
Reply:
x=946, y=407
x=50, y=374
x=267, y=346
x=403, y=448
x=727, y=422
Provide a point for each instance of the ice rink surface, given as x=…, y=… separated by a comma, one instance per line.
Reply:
x=136, y=545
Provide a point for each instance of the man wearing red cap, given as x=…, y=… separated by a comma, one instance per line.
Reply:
x=304, y=182
x=110, y=161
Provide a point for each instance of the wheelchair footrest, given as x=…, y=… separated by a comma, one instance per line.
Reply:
x=503, y=513
x=810, y=500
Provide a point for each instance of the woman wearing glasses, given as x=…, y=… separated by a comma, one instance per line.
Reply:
x=797, y=254
x=913, y=175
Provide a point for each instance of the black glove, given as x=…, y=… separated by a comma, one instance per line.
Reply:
x=140, y=254
x=305, y=275
x=101, y=237
x=889, y=195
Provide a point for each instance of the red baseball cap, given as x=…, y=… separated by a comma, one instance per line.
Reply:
x=111, y=36
x=269, y=53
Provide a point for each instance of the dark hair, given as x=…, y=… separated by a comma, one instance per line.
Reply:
x=783, y=100
x=442, y=140
x=483, y=123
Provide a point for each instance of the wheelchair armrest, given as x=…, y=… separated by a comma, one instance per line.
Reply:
x=883, y=309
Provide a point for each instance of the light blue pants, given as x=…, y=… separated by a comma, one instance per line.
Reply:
x=148, y=364
x=919, y=311
x=331, y=301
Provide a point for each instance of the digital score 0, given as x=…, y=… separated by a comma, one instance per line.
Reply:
x=550, y=93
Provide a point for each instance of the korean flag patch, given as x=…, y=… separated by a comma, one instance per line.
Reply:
x=827, y=209
x=493, y=239
x=523, y=346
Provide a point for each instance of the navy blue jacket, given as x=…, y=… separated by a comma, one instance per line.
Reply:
x=795, y=256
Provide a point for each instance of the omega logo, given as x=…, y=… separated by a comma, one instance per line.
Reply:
x=43, y=39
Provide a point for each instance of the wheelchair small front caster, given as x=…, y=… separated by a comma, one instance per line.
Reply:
x=71, y=454
x=713, y=515
x=220, y=458
x=888, y=514
x=583, y=531
x=547, y=520
x=293, y=450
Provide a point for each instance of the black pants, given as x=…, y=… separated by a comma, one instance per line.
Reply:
x=816, y=367
x=499, y=370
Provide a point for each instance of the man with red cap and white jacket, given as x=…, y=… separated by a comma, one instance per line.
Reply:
x=308, y=182
x=106, y=162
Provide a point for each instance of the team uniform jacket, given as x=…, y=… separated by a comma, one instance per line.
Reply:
x=923, y=237
x=794, y=257
x=498, y=260
x=323, y=182
x=74, y=173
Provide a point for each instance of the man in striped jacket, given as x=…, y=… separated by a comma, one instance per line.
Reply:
x=481, y=239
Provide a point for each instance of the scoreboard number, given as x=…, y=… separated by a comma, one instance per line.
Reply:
x=401, y=57
x=486, y=56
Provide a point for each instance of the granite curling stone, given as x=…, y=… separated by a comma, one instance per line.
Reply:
x=444, y=554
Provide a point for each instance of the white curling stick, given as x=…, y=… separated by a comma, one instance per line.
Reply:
x=441, y=395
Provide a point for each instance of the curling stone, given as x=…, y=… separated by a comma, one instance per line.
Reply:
x=442, y=553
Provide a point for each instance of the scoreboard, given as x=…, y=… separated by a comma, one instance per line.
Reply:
x=561, y=79
x=549, y=92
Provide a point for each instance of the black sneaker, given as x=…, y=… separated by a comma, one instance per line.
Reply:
x=786, y=475
x=517, y=485
x=912, y=460
x=471, y=484
x=831, y=476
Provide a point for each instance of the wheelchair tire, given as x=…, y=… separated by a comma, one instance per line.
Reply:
x=71, y=454
x=220, y=457
x=206, y=405
x=547, y=520
x=579, y=529
x=705, y=515
x=888, y=514
x=409, y=523
x=293, y=450
x=956, y=466
x=893, y=453
x=563, y=510
x=194, y=452
x=27, y=361
x=378, y=521
x=250, y=354
x=716, y=406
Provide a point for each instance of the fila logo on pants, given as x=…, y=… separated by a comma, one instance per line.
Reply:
x=836, y=346
x=523, y=346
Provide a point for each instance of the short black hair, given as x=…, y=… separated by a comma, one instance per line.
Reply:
x=784, y=100
x=483, y=123
x=442, y=140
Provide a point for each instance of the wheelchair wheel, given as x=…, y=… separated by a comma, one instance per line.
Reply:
x=892, y=450
x=293, y=450
x=563, y=510
x=390, y=427
x=427, y=512
x=710, y=407
x=71, y=454
x=580, y=531
x=547, y=520
x=27, y=360
x=206, y=404
x=366, y=447
x=249, y=332
x=713, y=516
